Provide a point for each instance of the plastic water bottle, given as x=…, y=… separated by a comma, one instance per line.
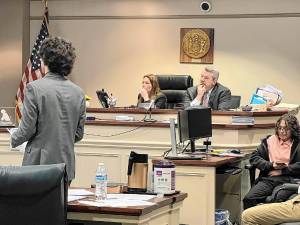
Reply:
x=101, y=182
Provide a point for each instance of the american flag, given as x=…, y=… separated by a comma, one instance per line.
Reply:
x=34, y=69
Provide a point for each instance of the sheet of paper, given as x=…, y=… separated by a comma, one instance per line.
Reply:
x=12, y=130
x=116, y=203
x=286, y=105
x=79, y=192
x=130, y=197
x=75, y=197
x=231, y=154
x=268, y=95
x=21, y=147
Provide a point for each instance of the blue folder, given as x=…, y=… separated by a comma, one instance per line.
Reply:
x=257, y=100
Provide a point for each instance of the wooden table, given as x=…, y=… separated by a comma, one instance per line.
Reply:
x=165, y=211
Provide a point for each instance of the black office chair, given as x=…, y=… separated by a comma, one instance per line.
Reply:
x=294, y=190
x=174, y=87
x=276, y=192
x=33, y=195
x=292, y=187
x=235, y=101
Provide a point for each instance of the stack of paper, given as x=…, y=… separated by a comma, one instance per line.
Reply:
x=286, y=106
x=243, y=120
x=121, y=200
x=76, y=194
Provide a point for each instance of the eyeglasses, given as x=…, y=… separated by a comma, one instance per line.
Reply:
x=286, y=129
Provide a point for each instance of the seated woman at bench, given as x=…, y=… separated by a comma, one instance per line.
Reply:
x=151, y=92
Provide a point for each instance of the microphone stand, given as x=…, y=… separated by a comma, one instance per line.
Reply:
x=207, y=150
x=150, y=115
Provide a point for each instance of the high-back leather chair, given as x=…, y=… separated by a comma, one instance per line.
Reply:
x=235, y=101
x=33, y=195
x=174, y=87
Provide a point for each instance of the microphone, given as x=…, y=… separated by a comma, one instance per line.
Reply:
x=148, y=109
x=150, y=105
x=111, y=101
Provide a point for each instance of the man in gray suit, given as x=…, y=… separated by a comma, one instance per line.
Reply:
x=53, y=114
x=209, y=92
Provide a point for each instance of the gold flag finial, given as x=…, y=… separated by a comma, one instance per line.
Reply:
x=45, y=3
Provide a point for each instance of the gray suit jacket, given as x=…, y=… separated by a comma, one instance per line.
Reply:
x=219, y=99
x=53, y=118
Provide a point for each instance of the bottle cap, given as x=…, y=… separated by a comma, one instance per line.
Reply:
x=101, y=164
x=163, y=164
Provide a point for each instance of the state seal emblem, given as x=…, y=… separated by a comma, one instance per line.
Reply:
x=196, y=45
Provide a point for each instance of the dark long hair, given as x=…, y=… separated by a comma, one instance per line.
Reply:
x=291, y=123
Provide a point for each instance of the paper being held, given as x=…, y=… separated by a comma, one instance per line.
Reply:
x=21, y=147
x=12, y=130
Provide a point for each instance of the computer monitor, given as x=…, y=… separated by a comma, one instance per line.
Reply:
x=102, y=97
x=194, y=123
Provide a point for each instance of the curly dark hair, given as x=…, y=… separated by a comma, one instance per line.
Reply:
x=58, y=54
x=291, y=123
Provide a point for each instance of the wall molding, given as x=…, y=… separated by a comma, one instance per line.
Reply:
x=147, y=146
x=168, y=17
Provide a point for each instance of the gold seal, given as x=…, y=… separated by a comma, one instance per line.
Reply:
x=196, y=43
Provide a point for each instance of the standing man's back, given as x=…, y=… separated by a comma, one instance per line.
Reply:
x=53, y=113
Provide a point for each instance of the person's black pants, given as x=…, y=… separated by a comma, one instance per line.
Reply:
x=263, y=188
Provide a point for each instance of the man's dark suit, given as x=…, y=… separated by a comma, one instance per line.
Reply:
x=220, y=97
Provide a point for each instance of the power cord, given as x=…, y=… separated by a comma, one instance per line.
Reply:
x=184, y=149
x=117, y=134
x=179, y=146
